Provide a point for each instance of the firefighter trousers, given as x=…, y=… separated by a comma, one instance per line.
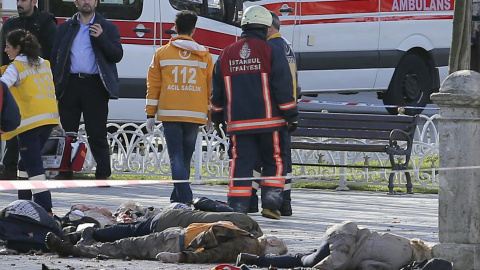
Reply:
x=270, y=147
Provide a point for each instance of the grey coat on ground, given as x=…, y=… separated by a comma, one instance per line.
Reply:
x=353, y=248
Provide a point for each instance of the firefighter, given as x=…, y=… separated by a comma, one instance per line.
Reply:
x=253, y=92
x=274, y=37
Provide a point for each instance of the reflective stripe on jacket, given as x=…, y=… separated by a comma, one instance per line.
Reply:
x=179, y=82
x=278, y=40
x=253, y=87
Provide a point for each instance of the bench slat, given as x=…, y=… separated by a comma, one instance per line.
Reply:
x=358, y=126
x=343, y=133
x=359, y=117
x=339, y=147
x=348, y=124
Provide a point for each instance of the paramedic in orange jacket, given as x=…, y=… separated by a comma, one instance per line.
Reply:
x=178, y=92
x=253, y=91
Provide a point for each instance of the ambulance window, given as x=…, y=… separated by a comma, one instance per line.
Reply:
x=213, y=9
x=109, y=9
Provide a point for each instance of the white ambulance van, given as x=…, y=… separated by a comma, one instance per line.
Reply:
x=397, y=48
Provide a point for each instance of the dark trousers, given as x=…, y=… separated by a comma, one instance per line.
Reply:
x=287, y=190
x=88, y=96
x=10, y=160
x=121, y=231
x=297, y=260
x=270, y=147
x=31, y=143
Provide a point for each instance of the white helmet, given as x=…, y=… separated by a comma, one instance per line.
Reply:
x=256, y=15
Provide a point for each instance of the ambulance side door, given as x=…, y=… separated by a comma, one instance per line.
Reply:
x=287, y=13
x=337, y=45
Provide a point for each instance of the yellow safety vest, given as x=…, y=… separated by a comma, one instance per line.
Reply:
x=35, y=97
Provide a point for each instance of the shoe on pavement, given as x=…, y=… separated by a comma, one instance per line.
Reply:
x=286, y=208
x=64, y=176
x=72, y=237
x=87, y=237
x=7, y=174
x=269, y=213
x=55, y=244
x=253, y=208
x=246, y=258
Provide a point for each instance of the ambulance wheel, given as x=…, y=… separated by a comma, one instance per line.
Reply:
x=411, y=85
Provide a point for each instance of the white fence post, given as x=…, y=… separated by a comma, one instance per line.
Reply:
x=197, y=176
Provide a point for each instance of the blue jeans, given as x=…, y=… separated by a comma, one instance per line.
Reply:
x=181, y=138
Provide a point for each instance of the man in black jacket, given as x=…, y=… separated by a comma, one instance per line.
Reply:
x=84, y=58
x=43, y=26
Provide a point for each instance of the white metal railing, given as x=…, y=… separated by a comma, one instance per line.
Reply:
x=133, y=151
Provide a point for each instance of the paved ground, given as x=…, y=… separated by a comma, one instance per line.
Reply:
x=414, y=215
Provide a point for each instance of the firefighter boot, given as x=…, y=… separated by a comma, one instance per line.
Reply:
x=246, y=258
x=286, y=208
x=270, y=213
x=63, y=249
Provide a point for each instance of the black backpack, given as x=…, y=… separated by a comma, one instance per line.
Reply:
x=9, y=112
x=433, y=264
x=24, y=228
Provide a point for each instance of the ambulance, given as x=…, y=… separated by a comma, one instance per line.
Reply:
x=397, y=48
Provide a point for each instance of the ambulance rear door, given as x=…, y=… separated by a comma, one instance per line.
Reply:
x=337, y=45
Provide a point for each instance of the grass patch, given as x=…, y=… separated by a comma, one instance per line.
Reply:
x=89, y=176
x=316, y=185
